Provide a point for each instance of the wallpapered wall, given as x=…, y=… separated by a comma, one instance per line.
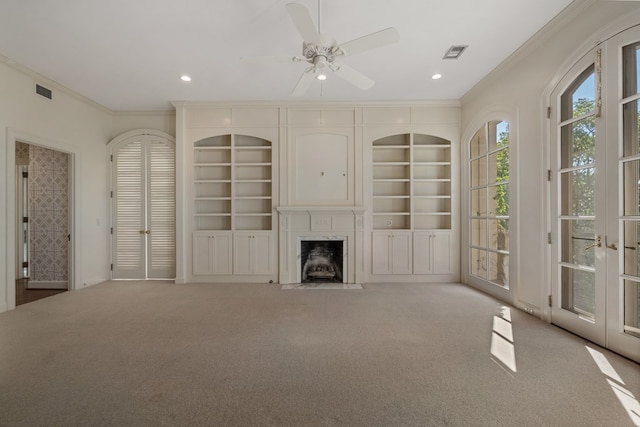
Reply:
x=48, y=212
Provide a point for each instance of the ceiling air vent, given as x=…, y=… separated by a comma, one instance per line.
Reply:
x=41, y=90
x=454, y=52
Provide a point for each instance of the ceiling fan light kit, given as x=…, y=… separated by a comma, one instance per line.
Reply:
x=322, y=52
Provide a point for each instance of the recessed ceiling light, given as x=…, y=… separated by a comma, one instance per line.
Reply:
x=321, y=76
x=436, y=76
x=185, y=78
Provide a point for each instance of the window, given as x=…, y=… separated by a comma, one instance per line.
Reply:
x=489, y=203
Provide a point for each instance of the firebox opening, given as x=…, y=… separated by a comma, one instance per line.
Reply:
x=321, y=261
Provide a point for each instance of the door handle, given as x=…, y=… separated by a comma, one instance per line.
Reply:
x=148, y=231
x=612, y=246
x=597, y=244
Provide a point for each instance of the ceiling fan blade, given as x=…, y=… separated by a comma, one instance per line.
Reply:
x=303, y=84
x=271, y=59
x=304, y=23
x=370, y=41
x=354, y=77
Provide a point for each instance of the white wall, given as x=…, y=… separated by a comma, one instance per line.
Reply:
x=124, y=121
x=66, y=123
x=523, y=82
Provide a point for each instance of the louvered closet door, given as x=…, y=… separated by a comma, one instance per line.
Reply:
x=143, y=209
x=161, y=208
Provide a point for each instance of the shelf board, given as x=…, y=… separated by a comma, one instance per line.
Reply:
x=211, y=198
x=211, y=214
x=391, y=180
x=431, y=180
x=432, y=163
x=253, y=197
x=390, y=146
x=225, y=147
x=243, y=214
x=431, y=146
x=416, y=196
x=238, y=164
x=247, y=181
x=391, y=163
x=200, y=165
x=400, y=196
x=209, y=181
x=431, y=213
x=251, y=148
x=392, y=213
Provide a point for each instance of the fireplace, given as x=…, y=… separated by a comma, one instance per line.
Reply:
x=322, y=259
x=328, y=240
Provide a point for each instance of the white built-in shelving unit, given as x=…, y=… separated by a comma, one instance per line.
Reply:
x=411, y=183
x=411, y=205
x=232, y=183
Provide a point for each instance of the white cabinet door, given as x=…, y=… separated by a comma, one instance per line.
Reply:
x=432, y=252
x=252, y=253
x=211, y=253
x=392, y=252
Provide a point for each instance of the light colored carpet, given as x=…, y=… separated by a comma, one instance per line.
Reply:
x=154, y=354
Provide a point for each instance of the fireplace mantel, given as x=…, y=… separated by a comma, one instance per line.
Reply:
x=299, y=222
x=322, y=210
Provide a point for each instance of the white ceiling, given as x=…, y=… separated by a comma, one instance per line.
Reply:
x=129, y=54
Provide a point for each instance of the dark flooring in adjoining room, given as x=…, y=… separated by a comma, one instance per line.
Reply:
x=24, y=295
x=156, y=353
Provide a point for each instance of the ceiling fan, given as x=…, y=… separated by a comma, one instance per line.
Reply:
x=322, y=51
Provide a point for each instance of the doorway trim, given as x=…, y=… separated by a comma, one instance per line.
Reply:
x=75, y=249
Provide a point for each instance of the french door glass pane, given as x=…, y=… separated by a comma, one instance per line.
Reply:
x=499, y=268
x=631, y=115
x=499, y=166
x=578, y=188
x=631, y=188
x=498, y=135
x=479, y=263
x=479, y=202
x=478, y=145
x=499, y=234
x=577, y=235
x=631, y=248
x=478, y=232
x=479, y=172
x=578, y=291
x=631, y=54
x=631, y=312
x=580, y=99
x=499, y=200
x=579, y=143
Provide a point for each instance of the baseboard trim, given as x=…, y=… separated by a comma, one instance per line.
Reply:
x=47, y=284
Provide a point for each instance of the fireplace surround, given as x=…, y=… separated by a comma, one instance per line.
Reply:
x=332, y=231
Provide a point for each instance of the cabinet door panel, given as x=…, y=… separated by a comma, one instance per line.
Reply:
x=381, y=243
x=252, y=253
x=391, y=253
x=262, y=253
x=422, y=253
x=441, y=254
x=242, y=253
x=201, y=254
x=211, y=253
x=402, y=259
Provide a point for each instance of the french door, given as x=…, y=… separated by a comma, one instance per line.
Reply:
x=143, y=208
x=595, y=197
